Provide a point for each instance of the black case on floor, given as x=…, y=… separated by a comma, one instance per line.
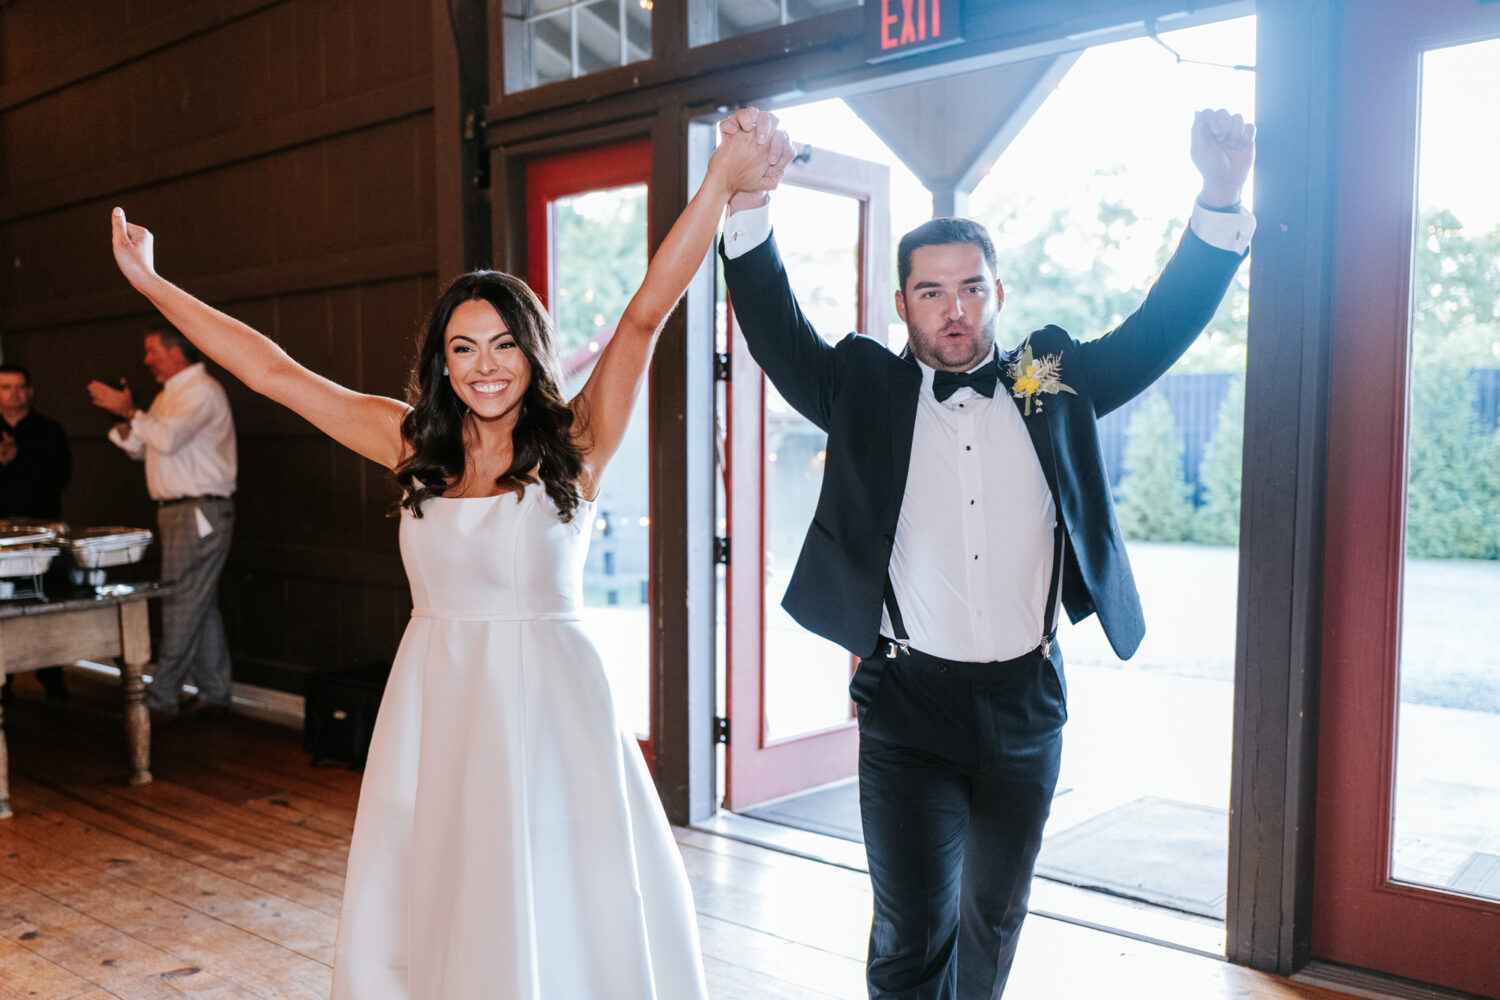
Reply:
x=339, y=714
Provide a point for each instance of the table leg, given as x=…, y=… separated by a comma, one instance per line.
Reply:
x=135, y=645
x=4, y=769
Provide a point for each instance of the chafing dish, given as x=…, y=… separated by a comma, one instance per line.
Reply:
x=26, y=552
x=26, y=560
x=25, y=531
x=100, y=548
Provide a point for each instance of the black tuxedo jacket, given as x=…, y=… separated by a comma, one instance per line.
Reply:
x=865, y=398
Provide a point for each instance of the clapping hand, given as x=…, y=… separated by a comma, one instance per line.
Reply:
x=1223, y=148
x=107, y=397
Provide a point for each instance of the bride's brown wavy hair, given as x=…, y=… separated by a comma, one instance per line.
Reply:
x=543, y=438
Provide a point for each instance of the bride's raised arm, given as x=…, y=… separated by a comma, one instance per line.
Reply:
x=368, y=425
x=745, y=161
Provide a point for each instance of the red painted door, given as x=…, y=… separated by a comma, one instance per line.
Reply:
x=587, y=247
x=791, y=723
x=1407, y=877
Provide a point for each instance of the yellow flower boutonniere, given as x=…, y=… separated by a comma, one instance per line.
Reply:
x=1031, y=378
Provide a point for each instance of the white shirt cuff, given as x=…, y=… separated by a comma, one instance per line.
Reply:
x=744, y=231
x=1225, y=230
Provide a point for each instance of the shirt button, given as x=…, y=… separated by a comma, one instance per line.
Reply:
x=976, y=556
x=978, y=614
x=967, y=448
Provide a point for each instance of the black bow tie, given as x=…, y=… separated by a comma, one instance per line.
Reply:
x=981, y=380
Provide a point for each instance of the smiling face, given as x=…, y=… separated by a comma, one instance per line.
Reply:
x=486, y=367
x=950, y=304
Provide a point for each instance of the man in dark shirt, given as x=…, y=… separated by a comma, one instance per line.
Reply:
x=35, y=465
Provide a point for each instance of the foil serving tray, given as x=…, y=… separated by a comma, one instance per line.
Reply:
x=24, y=531
x=100, y=548
x=26, y=560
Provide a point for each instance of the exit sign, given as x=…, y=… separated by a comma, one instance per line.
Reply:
x=900, y=27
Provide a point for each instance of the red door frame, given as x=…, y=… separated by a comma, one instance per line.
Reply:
x=550, y=178
x=758, y=769
x=1361, y=916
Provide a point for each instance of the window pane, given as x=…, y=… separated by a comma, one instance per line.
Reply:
x=1447, y=806
x=806, y=676
x=551, y=40
x=728, y=18
x=598, y=261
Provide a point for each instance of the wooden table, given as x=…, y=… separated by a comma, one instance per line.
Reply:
x=84, y=625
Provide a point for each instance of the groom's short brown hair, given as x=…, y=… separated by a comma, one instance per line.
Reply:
x=942, y=232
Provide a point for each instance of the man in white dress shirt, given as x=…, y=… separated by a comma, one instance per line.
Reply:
x=964, y=500
x=186, y=439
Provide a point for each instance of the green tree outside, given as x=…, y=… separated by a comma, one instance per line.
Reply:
x=1452, y=505
x=1217, y=520
x=601, y=244
x=1154, y=501
x=1453, y=483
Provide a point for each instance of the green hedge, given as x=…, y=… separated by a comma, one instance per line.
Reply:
x=1453, y=483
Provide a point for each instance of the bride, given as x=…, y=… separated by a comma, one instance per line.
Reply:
x=508, y=841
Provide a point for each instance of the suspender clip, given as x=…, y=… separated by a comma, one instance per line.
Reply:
x=895, y=647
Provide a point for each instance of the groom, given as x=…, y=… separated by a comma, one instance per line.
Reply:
x=964, y=498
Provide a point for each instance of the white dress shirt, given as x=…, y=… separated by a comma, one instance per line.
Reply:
x=971, y=562
x=186, y=438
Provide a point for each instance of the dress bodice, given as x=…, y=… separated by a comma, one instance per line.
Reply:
x=499, y=556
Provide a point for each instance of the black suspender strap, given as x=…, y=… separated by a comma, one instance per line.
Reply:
x=897, y=625
x=1049, y=630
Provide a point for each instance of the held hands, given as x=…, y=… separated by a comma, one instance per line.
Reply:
x=135, y=251
x=753, y=154
x=1223, y=148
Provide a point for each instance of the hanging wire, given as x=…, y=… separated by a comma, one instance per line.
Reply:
x=1151, y=33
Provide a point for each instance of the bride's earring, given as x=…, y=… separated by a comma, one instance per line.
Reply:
x=445, y=369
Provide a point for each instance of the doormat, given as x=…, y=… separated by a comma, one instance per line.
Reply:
x=1479, y=876
x=1158, y=851
x=832, y=810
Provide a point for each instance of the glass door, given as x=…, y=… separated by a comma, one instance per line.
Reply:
x=792, y=725
x=1408, y=840
x=587, y=251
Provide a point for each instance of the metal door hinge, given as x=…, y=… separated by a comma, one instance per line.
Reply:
x=721, y=550
x=721, y=730
x=721, y=367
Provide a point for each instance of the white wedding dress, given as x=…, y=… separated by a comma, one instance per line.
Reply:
x=509, y=844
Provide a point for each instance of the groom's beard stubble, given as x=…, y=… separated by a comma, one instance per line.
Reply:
x=922, y=346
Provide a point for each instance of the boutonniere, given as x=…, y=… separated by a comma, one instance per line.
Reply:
x=1030, y=378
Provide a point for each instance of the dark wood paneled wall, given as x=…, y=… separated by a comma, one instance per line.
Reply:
x=285, y=154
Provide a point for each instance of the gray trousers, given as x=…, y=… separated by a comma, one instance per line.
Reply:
x=192, y=629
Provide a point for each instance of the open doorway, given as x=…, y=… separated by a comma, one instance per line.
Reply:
x=1081, y=173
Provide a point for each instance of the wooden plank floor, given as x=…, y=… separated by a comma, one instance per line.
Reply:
x=221, y=881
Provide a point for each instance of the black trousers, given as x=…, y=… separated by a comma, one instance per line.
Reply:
x=957, y=766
